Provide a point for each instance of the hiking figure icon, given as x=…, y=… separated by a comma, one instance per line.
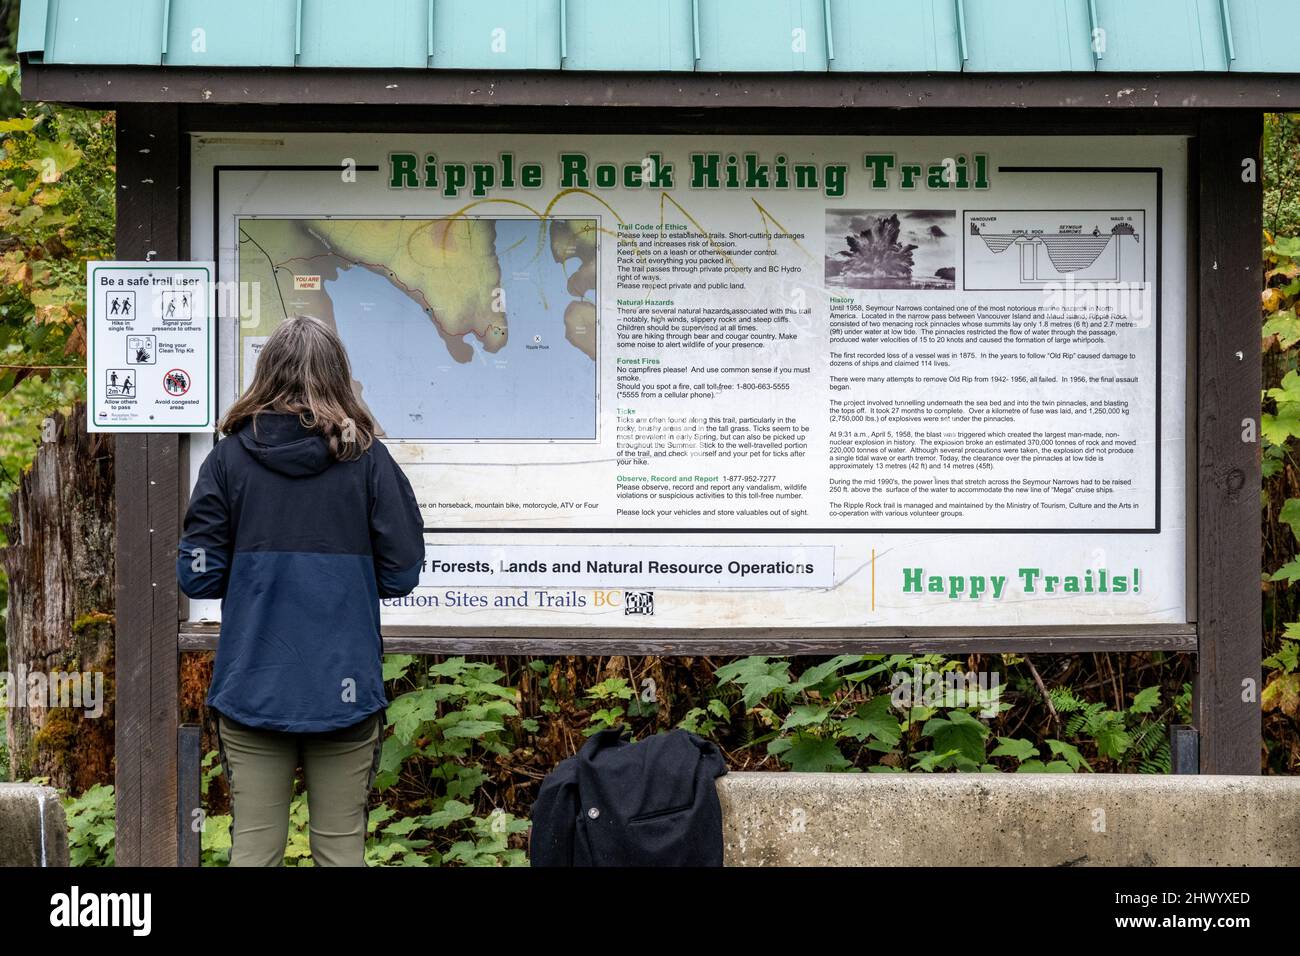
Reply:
x=177, y=304
x=120, y=304
x=120, y=384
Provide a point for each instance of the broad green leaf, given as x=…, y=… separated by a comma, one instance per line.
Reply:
x=1285, y=325
x=1145, y=701
x=1112, y=739
x=404, y=826
x=17, y=124
x=814, y=755
x=928, y=761
x=379, y=815
x=1278, y=428
x=1287, y=391
x=408, y=712
x=450, y=812
x=814, y=676
x=489, y=709
x=760, y=687
x=393, y=753
x=805, y=715
x=916, y=715
x=779, y=745
x=489, y=689
x=472, y=729
x=451, y=667
x=746, y=667
x=1288, y=246
x=1037, y=766
x=758, y=678
x=857, y=676
x=874, y=719
x=958, y=731
x=395, y=665
x=1287, y=657
x=52, y=161
x=612, y=687
x=1290, y=516
x=1016, y=747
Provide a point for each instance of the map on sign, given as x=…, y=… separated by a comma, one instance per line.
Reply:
x=458, y=329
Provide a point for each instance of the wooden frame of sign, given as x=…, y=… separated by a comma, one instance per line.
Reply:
x=1224, y=270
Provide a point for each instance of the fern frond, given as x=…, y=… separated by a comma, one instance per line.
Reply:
x=1065, y=701
x=1159, y=761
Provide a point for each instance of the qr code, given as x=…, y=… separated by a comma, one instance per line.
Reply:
x=639, y=602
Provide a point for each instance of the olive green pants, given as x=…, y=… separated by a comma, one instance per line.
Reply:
x=339, y=768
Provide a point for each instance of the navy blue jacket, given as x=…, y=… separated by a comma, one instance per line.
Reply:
x=300, y=548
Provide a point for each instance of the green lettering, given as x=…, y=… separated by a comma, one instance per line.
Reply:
x=573, y=171
x=705, y=170
x=878, y=163
x=401, y=168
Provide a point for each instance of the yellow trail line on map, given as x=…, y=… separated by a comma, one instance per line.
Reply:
x=765, y=217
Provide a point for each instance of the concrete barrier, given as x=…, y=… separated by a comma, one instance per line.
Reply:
x=832, y=819
x=33, y=829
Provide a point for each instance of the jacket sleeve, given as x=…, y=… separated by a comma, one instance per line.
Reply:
x=203, y=556
x=396, y=527
x=554, y=818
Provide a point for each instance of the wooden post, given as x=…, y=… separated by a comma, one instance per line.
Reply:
x=1183, y=747
x=189, y=758
x=147, y=496
x=1229, y=616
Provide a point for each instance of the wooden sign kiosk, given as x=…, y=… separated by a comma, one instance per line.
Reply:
x=317, y=76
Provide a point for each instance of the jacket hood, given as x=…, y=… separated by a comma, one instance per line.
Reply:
x=281, y=443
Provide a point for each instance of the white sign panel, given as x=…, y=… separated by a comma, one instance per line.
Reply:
x=920, y=381
x=150, y=348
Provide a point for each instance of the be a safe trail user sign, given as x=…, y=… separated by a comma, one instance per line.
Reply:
x=149, y=360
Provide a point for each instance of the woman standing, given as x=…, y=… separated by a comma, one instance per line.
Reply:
x=300, y=522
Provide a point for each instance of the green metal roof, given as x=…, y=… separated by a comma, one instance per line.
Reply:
x=873, y=36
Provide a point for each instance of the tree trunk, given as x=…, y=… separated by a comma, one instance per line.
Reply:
x=60, y=565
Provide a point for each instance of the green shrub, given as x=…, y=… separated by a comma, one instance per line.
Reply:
x=91, y=819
